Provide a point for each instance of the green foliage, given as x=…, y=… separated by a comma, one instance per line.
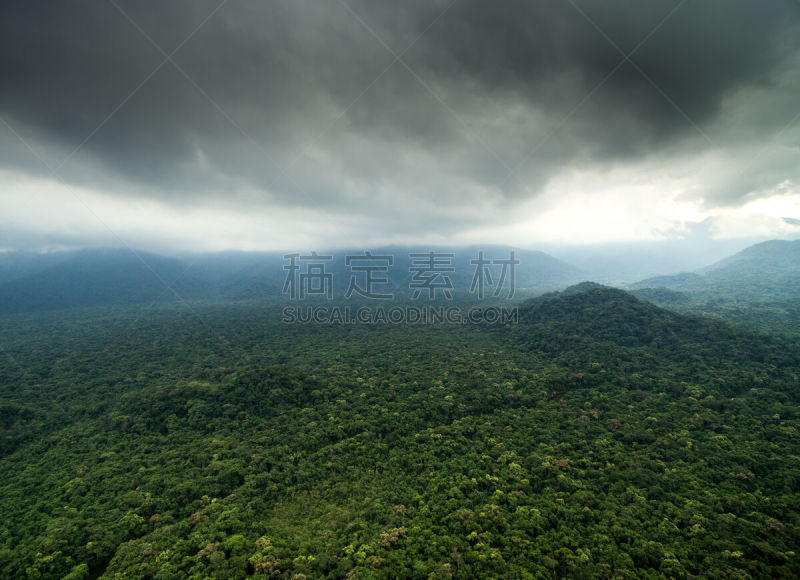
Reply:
x=756, y=289
x=600, y=437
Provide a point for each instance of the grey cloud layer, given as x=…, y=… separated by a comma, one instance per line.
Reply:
x=503, y=75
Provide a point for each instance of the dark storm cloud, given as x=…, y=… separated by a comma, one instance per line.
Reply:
x=478, y=111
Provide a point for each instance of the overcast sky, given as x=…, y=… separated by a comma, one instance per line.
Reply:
x=283, y=124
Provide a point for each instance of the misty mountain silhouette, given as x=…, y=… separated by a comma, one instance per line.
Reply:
x=55, y=281
x=766, y=270
x=101, y=277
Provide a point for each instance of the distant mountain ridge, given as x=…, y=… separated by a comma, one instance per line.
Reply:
x=16, y=265
x=757, y=288
x=244, y=275
x=767, y=269
x=100, y=277
x=774, y=256
x=33, y=282
x=83, y=278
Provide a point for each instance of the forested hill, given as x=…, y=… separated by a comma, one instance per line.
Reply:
x=594, y=312
x=756, y=288
x=774, y=257
x=591, y=317
x=769, y=270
